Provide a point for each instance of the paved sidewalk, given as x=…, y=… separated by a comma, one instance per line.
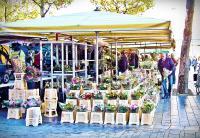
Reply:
x=178, y=117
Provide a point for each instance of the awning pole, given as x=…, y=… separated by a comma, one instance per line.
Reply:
x=62, y=48
x=57, y=57
x=41, y=59
x=51, y=65
x=66, y=52
x=116, y=60
x=86, y=62
x=96, y=54
x=73, y=58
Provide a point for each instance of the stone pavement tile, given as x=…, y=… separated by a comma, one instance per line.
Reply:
x=189, y=135
x=175, y=131
x=193, y=122
x=160, y=135
x=173, y=136
x=182, y=134
x=177, y=127
x=197, y=134
x=153, y=135
x=192, y=128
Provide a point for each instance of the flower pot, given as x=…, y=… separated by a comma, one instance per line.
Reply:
x=97, y=102
x=137, y=102
x=72, y=101
x=134, y=118
x=147, y=118
x=112, y=102
x=81, y=117
x=31, y=85
x=109, y=118
x=85, y=103
x=123, y=102
x=67, y=117
x=121, y=118
x=96, y=117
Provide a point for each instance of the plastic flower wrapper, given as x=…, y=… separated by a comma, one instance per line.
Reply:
x=12, y=103
x=66, y=107
x=32, y=102
x=98, y=95
x=110, y=108
x=86, y=96
x=134, y=108
x=122, y=109
x=99, y=108
x=81, y=108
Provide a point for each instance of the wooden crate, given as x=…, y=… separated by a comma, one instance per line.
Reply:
x=96, y=117
x=134, y=118
x=85, y=103
x=109, y=118
x=72, y=101
x=14, y=113
x=51, y=94
x=67, y=117
x=82, y=117
x=33, y=116
x=121, y=118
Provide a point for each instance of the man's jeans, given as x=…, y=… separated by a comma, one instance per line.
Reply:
x=166, y=90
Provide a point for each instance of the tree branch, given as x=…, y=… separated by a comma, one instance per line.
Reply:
x=36, y=3
x=47, y=9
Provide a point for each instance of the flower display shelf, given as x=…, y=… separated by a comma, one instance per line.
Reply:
x=82, y=117
x=88, y=91
x=112, y=102
x=121, y=118
x=123, y=102
x=134, y=118
x=14, y=113
x=51, y=94
x=33, y=116
x=96, y=117
x=147, y=118
x=50, y=108
x=67, y=117
x=86, y=103
x=109, y=118
x=97, y=102
x=72, y=101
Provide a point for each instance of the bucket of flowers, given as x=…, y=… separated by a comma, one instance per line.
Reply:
x=97, y=114
x=112, y=97
x=136, y=97
x=134, y=117
x=85, y=99
x=147, y=112
x=82, y=114
x=31, y=102
x=122, y=114
x=110, y=114
x=97, y=99
x=71, y=98
x=67, y=112
x=123, y=98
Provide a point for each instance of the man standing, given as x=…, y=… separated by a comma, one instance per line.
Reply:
x=166, y=67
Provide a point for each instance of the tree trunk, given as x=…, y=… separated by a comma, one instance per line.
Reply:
x=42, y=9
x=184, y=58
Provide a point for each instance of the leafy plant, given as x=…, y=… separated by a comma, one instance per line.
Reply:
x=67, y=68
x=98, y=96
x=66, y=107
x=123, y=96
x=71, y=95
x=115, y=85
x=111, y=95
x=12, y=103
x=86, y=96
x=148, y=106
x=81, y=108
x=122, y=109
x=32, y=103
x=57, y=68
x=110, y=108
x=107, y=80
x=136, y=96
x=75, y=87
x=102, y=86
x=134, y=108
x=98, y=108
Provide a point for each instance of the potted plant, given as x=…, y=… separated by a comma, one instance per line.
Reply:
x=71, y=98
x=85, y=99
x=75, y=88
x=134, y=117
x=116, y=85
x=31, y=102
x=67, y=114
x=147, y=112
x=67, y=68
x=136, y=97
x=97, y=114
x=110, y=114
x=123, y=98
x=112, y=97
x=121, y=115
x=97, y=99
x=103, y=87
x=13, y=108
x=31, y=76
x=81, y=114
x=57, y=68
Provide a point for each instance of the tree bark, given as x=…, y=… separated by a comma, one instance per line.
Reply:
x=42, y=9
x=184, y=58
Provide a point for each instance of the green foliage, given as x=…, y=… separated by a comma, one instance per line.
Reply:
x=147, y=107
x=75, y=87
x=98, y=96
x=123, y=96
x=122, y=109
x=66, y=107
x=111, y=95
x=110, y=108
x=71, y=95
x=124, y=6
